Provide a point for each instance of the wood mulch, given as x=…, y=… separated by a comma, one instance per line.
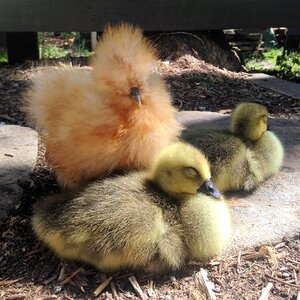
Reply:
x=30, y=271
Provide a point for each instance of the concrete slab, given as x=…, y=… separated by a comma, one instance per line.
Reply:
x=285, y=87
x=18, y=153
x=273, y=210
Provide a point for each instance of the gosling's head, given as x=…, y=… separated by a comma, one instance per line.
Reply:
x=249, y=120
x=182, y=170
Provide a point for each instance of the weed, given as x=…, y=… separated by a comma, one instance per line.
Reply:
x=3, y=55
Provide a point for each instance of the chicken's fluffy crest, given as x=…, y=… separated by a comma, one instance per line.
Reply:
x=124, y=53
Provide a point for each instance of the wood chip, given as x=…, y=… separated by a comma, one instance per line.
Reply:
x=266, y=291
x=197, y=296
x=39, y=289
x=293, y=261
x=51, y=297
x=7, y=118
x=239, y=259
x=9, y=282
x=15, y=297
x=282, y=281
x=204, y=284
x=137, y=288
x=47, y=281
x=114, y=290
x=280, y=245
x=68, y=297
x=298, y=296
x=150, y=289
x=102, y=286
x=62, y=274
x=67, y=280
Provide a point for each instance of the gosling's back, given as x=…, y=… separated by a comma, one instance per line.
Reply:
x=115, y=223
x=226, y=154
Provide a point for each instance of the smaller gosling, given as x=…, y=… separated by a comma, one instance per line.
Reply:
x=154, y=221
x=244, y=156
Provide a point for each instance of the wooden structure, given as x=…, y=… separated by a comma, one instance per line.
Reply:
x=152, y=15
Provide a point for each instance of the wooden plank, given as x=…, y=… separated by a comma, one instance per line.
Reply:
x=154, y=15
x=22, y=46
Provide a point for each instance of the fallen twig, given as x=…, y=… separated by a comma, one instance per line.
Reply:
x=293, y=261
x=282, y=281
x=137, y=287
x=266, y=291
x=47, y=281
x=9, y=282
x=51, y=297
x=15, y=297
x=68, y=297
x=239, y=259
x=102, y=286
x=67, y=280
x=114, y=290
x=7, y=118
x=205, y=285
x=62, y=274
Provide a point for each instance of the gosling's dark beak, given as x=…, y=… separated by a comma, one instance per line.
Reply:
x=268, y=127
x=209, y=188
x=135, y=94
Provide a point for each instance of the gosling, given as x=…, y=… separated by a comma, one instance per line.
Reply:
x=154, y=221
x=243, y=156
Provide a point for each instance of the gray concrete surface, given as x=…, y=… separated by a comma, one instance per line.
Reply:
x=278, y=85
x=264, y=216
x=273, y=210
x=18, y=153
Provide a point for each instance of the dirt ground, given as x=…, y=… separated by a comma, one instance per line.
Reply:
x=30, y=271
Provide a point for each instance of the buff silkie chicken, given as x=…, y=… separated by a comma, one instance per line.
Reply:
x=117, y=116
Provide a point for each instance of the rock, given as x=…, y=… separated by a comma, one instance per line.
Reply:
x=18, y=153
x=273, y=210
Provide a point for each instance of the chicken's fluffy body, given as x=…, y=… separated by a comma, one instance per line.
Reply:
x=90, y=120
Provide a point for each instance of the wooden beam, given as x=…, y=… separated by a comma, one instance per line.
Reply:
x=154, y=15
x=22, y=46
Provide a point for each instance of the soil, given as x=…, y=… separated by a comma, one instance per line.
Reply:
x=30, y=271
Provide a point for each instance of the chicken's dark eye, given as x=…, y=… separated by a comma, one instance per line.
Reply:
x=135, y=94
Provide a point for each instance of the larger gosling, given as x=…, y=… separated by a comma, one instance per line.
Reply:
x=153, y=221
x=244, y=156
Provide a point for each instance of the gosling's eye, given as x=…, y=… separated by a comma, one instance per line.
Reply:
x=191, y=172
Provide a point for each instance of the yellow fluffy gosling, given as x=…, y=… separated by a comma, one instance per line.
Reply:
x=153, y=221
x=245, y=155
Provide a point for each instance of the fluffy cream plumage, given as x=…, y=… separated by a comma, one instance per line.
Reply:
x=116, y=116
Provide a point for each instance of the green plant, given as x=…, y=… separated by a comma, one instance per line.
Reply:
x=3, y=55
x=79, y=47
x=288, y=65
x=68, y=35
x=282, y=65
x=51, y=51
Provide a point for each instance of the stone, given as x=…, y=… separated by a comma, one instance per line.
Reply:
x=271, y=212
x=18, y=154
